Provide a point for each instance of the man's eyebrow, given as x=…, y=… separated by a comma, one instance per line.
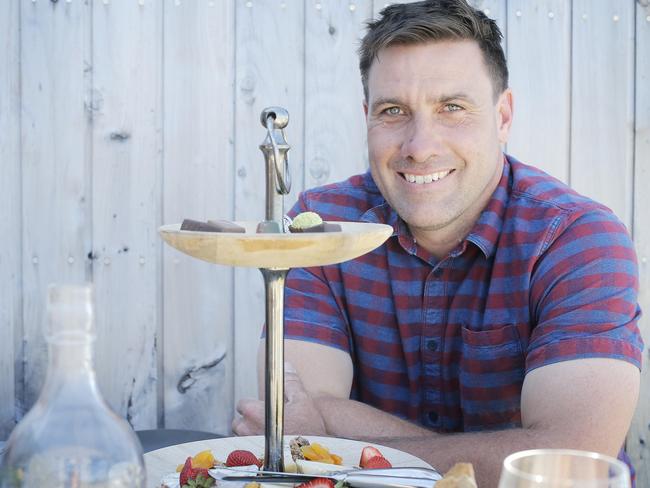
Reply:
x=444, y=98
x=454, y=96
x=385, y=101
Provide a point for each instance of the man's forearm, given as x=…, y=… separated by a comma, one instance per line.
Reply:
x=349, y=418
x=485, y=450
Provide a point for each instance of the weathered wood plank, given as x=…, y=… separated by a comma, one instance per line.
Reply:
x=10, y=224
x=127, y=169
x=638, y=439
x=270, y=72
x=495, y=9
x=540, y=30
x=56, y=199
x=198, y=183
x=335, y=131
x=602, y=111
x=379, y=5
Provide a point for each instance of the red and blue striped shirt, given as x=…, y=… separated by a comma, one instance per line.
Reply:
x=546, y=275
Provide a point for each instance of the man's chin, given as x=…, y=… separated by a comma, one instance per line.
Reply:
x=425, y=223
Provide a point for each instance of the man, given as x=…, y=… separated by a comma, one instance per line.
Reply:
x=502, y=313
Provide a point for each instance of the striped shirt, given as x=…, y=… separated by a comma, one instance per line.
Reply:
x=546, y=275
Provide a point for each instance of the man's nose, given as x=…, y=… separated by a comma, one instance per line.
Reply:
x=422, y=140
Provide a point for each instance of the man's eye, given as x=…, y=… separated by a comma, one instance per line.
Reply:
x=452, y=107
x=392, y=111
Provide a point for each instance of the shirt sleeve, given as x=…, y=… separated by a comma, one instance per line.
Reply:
x=584, y=295
x=312, y=311
x=313, y=305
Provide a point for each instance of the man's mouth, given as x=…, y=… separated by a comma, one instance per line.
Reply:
x=424, y=179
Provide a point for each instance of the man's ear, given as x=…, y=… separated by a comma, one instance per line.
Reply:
x=365, y=108
x=504, y=113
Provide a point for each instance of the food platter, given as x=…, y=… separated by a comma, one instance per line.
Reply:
x=161, y=462
x=279, y=250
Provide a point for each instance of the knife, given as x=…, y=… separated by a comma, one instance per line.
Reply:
x=360, y=478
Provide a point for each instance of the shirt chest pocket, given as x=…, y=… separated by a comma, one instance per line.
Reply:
x=491, y=373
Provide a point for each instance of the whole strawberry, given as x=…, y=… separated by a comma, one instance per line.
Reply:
x=241, y=458
x=195, y=477
x=201, y=482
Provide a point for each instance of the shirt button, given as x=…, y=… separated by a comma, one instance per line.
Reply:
x=432, y=345
x=433, y=417
x=437, y=272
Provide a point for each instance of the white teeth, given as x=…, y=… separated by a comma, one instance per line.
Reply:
x=421, y=179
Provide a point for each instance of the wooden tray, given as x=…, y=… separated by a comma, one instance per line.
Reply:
x=278, y=250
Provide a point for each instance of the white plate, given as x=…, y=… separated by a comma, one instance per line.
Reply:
x=161, y=462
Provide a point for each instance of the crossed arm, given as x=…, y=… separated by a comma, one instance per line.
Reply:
x=581, y=404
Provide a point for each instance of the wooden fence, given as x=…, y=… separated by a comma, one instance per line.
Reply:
x=118, y=116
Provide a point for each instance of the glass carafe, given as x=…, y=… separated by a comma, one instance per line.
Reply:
x=71, y=438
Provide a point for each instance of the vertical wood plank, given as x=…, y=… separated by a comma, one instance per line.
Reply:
x=497, y=10
x=540, y=30
x=198, y=183
x=379, y=5
x=638, y=440
x=335, y=131
x=127, y=180
x=10, y=224
x=602, y=112
x=55, y=70
x=270, y=72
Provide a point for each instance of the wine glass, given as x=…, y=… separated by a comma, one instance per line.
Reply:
x=563, y=468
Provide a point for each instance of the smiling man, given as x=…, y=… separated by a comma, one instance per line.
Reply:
x=502, y=313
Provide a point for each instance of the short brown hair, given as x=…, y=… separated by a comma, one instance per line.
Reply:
x=435, y=20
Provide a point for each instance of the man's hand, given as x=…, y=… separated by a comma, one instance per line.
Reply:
x=300, y=413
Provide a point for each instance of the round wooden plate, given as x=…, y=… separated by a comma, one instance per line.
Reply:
x=278, y=250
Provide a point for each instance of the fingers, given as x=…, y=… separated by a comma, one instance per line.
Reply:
x=249, y=418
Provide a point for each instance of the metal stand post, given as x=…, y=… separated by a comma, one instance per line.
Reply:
x=274, y=376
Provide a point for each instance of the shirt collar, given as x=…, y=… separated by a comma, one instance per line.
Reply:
x=485, y=232
x=382, y=213
x=487, y=229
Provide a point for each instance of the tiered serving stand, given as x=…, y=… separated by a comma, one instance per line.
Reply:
x=274, y=252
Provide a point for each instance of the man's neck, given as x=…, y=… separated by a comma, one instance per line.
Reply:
x=441, y=241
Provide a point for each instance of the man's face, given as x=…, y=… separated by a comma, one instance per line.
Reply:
x=434, y=132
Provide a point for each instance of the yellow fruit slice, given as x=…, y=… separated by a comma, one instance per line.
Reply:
x=316, y=452
x=309, y=453
x=320, y=450
x=204, y=459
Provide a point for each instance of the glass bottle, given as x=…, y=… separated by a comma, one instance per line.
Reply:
x=71, y=437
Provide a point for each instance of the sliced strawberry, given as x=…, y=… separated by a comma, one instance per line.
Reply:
x=317, y=483
x=377, y=462
x=241, y=458
x=367, y=453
